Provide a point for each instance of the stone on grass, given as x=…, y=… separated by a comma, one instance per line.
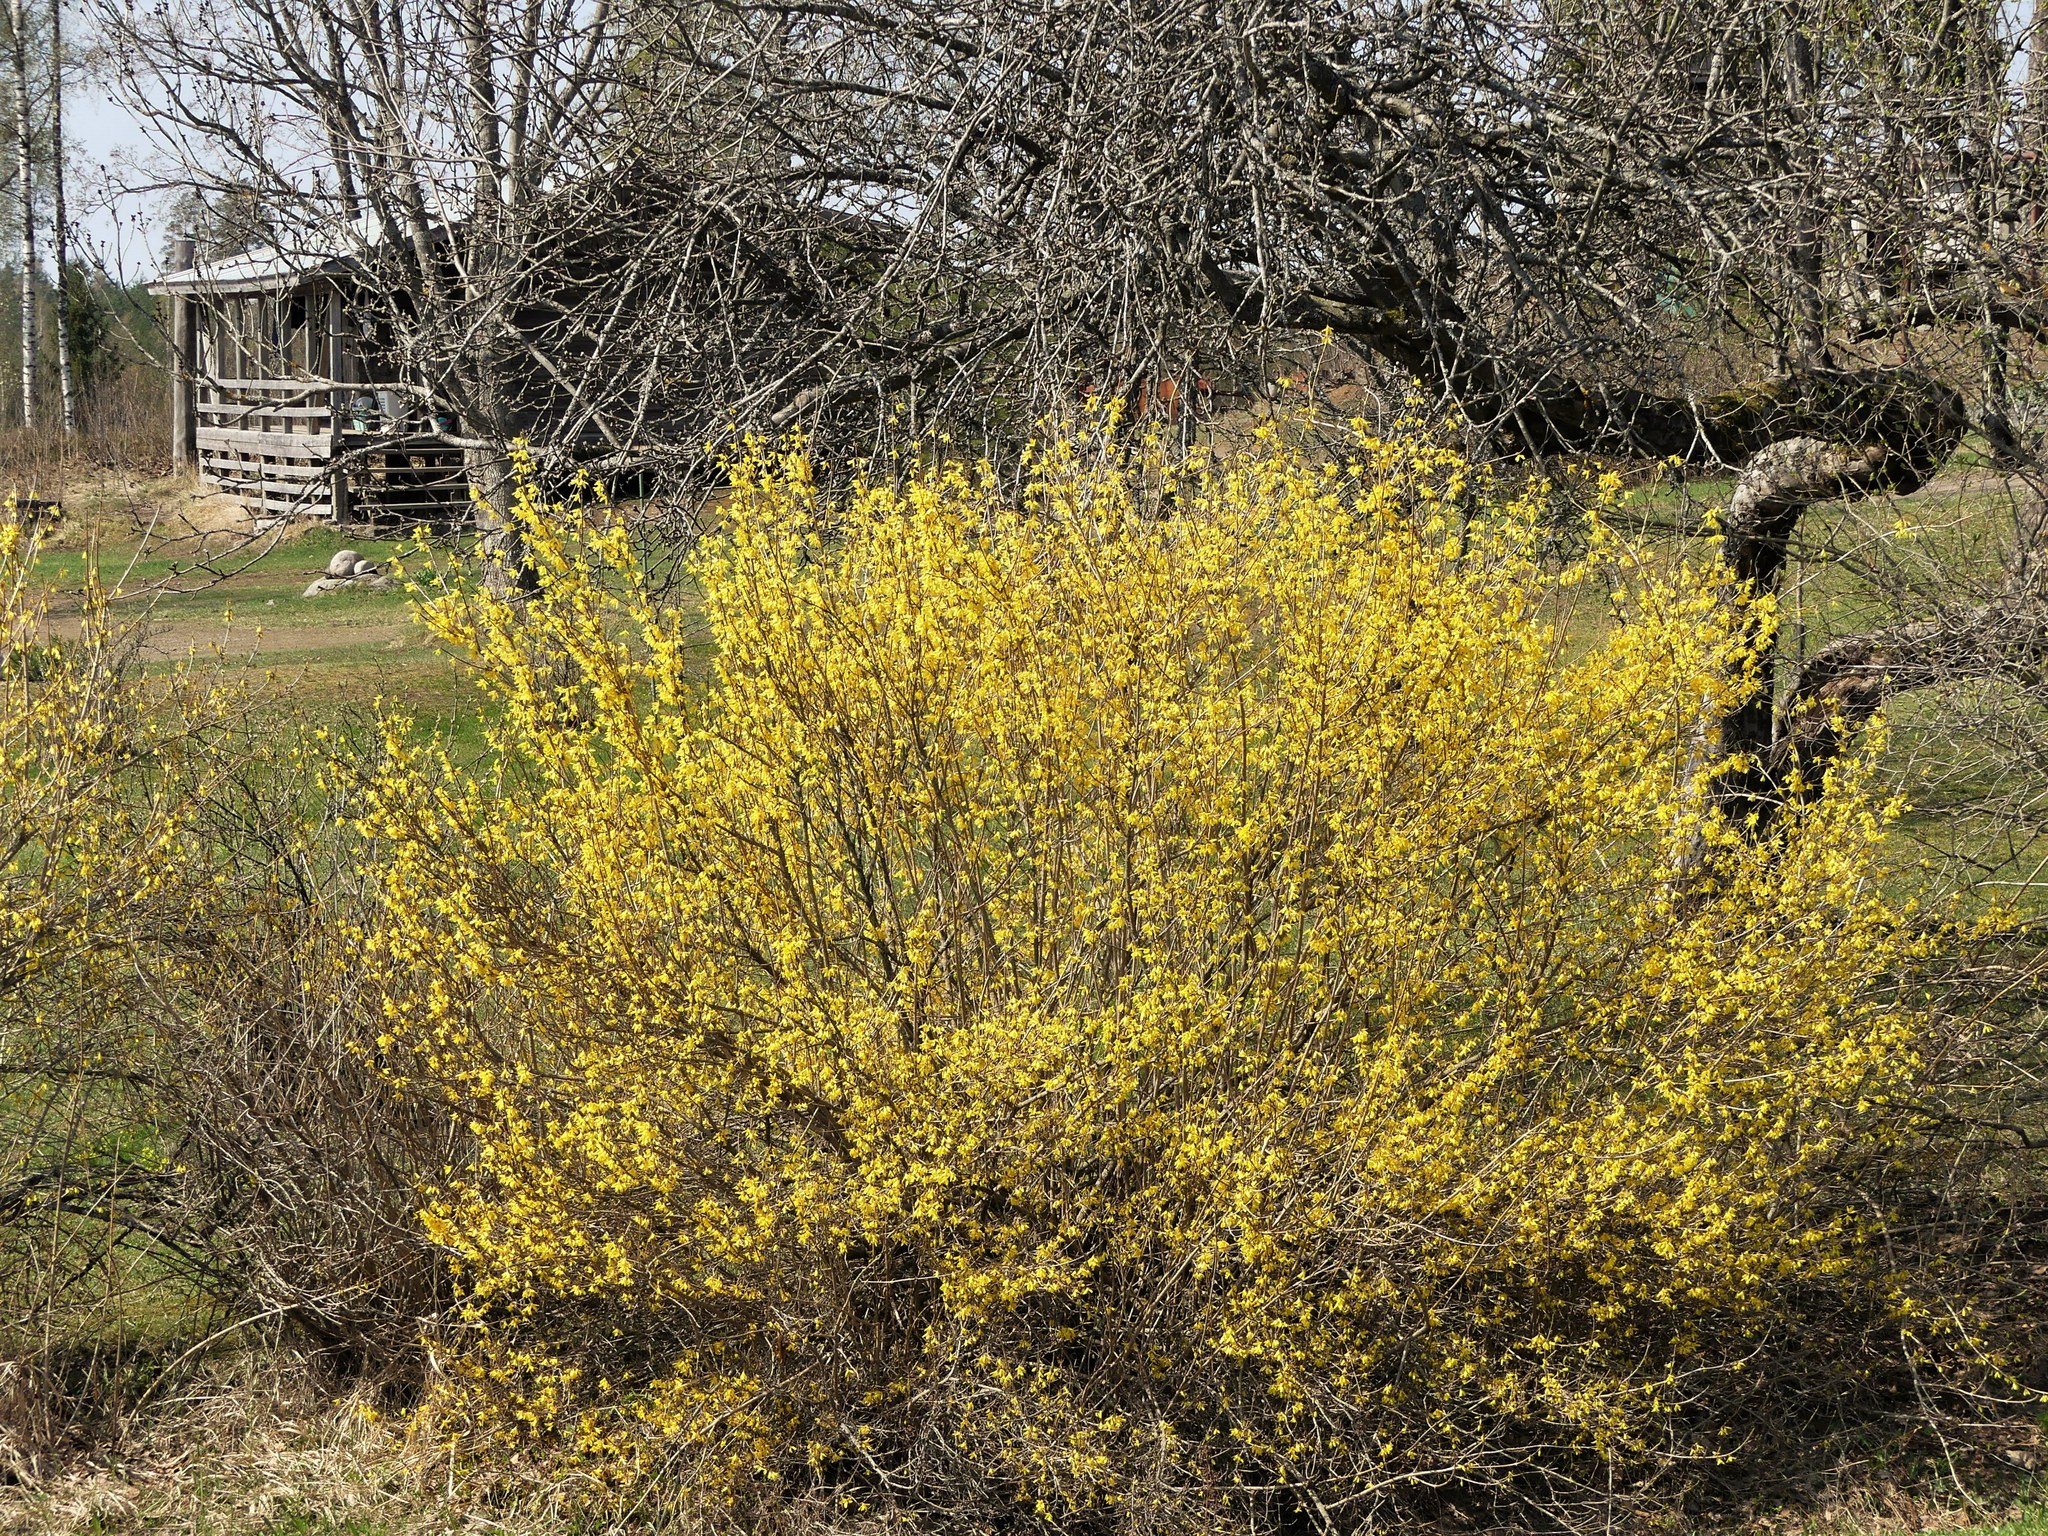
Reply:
x=343, y=564
x=363, y=568
x=325, y=585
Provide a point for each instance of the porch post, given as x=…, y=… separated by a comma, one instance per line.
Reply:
x=184, y=413
x=337, y=400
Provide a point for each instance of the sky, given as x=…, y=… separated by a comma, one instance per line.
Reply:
x=121, y=230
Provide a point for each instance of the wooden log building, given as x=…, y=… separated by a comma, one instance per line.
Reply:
x=282, y=396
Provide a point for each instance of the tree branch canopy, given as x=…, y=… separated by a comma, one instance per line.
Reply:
x=1743, y=234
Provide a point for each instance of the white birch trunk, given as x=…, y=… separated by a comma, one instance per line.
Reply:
x=60, y=235
x=25, y=188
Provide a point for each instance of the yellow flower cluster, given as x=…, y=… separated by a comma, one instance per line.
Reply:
x=1185, y=989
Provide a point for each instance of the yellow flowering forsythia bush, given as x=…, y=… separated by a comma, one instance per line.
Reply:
x=1205, y=1000
x=86, y=844
x=184, y=1123
x=102, y=775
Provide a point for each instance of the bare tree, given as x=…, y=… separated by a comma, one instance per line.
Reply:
x=1793, y=241
x=1778, y=240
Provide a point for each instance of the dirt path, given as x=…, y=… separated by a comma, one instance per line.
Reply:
x=258, y=634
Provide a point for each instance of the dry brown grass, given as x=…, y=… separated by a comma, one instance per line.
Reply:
x=256, y=1445
x=260, y=1445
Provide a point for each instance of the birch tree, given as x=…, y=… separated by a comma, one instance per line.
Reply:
x=24, y=199
x=60, y=231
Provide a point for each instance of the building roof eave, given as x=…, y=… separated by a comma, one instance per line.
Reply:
x=264, y=271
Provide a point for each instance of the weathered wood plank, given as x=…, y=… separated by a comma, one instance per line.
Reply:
x=257, y=408
x=272, y=386
x=246, y=474
x=288, y=445
x=272, y=504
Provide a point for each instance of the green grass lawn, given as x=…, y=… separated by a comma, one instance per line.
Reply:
x=236, y=609
x=2032, y=1523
